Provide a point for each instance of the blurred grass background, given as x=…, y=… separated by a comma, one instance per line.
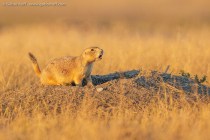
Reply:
x=161, y=10
x=134, y=34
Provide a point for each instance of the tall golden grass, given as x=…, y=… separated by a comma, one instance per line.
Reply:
x=134, y=35
x=126, y=46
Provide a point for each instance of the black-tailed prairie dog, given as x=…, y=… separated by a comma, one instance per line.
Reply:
x=69, y=70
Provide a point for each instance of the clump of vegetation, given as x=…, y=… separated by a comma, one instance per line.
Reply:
x=197, y=80
x=184, y=74
x=201, y=80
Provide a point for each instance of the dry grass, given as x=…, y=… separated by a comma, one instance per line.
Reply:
x=126, y=109
x=127, y=46
x=179, y=39
x=140, y=47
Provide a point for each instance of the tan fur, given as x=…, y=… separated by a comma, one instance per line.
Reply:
x=69, y=70
x=35, y=64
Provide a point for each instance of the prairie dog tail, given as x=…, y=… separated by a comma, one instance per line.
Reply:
x=35, y=64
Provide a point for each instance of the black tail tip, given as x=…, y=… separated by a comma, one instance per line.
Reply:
x=32, y=57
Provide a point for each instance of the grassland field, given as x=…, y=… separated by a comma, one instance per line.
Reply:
x=127, y=108
x=140, y=46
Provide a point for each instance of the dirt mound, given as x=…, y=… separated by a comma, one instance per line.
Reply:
x=129, y=90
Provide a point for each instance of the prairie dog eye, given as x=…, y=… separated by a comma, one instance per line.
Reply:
x=92, y=49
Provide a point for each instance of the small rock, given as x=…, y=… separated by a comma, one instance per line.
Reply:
x=99, y=89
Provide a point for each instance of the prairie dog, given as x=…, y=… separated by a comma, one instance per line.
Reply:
x=69, y=70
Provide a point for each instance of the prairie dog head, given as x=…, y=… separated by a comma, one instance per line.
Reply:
x=92, y=54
